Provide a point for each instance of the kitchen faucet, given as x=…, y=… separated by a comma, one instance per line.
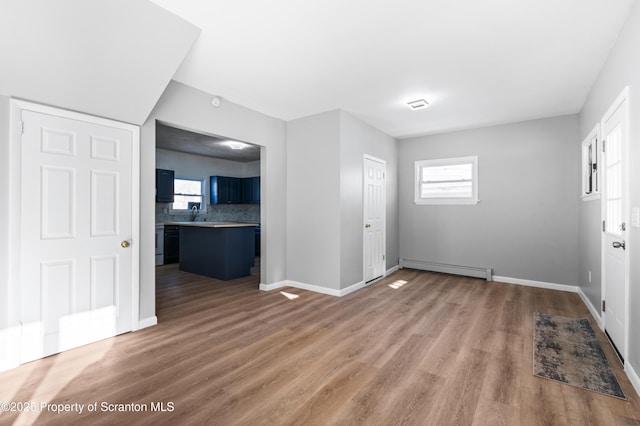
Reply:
x=194, y=213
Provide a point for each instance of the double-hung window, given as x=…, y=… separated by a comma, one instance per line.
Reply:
x=188, y=193
x=447, y=181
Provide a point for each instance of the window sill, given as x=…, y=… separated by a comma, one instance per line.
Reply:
x=445, y=202
x=591, y=197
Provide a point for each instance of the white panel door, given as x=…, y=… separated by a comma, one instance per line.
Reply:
x=615, y=235
x=374, y=219
x=76, y=225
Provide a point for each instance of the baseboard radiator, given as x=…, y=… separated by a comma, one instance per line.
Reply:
x=467, y=271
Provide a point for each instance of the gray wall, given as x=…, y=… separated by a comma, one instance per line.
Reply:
x=357, y=139
x=190, y=109
x=621, y=69
x=313, y=200
x=325, y=155
x=525, y=225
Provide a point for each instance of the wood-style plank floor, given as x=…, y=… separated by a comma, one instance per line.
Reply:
x=414, y=348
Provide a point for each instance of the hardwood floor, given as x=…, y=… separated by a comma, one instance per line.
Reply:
x=414, y=348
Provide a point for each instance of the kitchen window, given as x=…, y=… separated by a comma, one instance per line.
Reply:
x=447, y=181
x=188, y=193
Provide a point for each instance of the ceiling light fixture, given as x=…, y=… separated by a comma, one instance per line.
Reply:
x=418, y=104
x=236, y=145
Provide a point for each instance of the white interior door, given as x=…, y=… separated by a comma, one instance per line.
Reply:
x=615, y=235
x=76, y=228
x=374, y=218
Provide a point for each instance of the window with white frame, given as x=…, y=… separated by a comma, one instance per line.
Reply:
x=447, y=181
x=590, y=172
x=188, y=193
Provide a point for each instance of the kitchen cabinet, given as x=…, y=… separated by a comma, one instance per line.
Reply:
x=159, y=244
x=222, y=250
x=231, y=190
x=226, y=190
x=251, y=190
x=171, y=244
x=164, y=185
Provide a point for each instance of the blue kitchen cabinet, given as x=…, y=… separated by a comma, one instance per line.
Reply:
x=251, y=190
x=226, y=190
x=164, y=185
x=231, y=190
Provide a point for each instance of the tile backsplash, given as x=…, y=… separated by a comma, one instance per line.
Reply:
x=214, y=213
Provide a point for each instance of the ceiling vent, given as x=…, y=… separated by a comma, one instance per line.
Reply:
x=418, y=104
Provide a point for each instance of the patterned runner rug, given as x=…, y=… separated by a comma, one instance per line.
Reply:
x=567, y=350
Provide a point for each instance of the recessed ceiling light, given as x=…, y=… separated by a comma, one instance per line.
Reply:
x=418, y=104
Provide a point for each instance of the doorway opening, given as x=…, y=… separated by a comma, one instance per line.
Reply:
x=207, y=181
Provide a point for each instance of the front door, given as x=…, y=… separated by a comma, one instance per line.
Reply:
x=374, y=218
x=76, y=231
x=615, y=226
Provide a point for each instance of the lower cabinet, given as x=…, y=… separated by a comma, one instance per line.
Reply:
x=171, y=244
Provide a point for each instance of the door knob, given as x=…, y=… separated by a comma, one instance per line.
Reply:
x=367, y=225
x=618, y=244
x=125, y=244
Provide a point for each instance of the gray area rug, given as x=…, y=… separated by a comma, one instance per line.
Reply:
x=567, y=350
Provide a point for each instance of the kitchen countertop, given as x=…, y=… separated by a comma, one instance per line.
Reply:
x=213, y=224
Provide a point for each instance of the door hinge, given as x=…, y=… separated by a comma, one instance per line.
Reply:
x=604, y=145
x=22, y=127
x=603, y=226
x=603, y=306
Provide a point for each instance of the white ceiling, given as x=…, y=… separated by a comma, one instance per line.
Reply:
x=478, y=62
x=107, y=58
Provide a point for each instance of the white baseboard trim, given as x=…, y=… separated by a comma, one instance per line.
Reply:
x=147, y=322
x=392, y=270
x=312, y=287
x=273, y=286
x=351, y=288
x=539, y=284
x=633, y=376
x=594, y=313
x=10, y=343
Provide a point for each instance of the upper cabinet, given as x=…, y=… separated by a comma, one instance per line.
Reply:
x=225, y=190
x=231, y=190
x=164, y=185
x=251, y=190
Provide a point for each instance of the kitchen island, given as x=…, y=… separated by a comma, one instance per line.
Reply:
x=222, y=250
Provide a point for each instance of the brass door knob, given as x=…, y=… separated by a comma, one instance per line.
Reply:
x=367, y=225
x=125, y=244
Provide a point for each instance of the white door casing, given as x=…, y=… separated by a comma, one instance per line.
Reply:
x=374, y=197
x=77, y=275
x=614, y=211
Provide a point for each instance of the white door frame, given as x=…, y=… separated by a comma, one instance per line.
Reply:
x=15, y=215
x=384, y=218
x=623, y=97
